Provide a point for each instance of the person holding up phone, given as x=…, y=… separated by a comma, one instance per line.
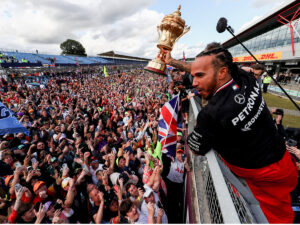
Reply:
x=151, y=197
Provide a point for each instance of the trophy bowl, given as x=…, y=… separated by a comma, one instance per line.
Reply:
x=169, y=31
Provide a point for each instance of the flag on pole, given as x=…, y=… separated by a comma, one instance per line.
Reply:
x=169, y=67
x=8, y=123
x=167, y=126
x=105, y=72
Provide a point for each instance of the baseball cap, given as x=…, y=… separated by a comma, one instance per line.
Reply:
x=37, y=185
x=179, y=133
x=148, y=192
x=179, y=151
x=114, y=177
x=21, y=147
x=8, y=179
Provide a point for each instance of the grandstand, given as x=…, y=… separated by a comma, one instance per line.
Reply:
x=24, y=59
x=123, y=58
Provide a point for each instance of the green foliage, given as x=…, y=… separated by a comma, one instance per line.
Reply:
x=72, y=47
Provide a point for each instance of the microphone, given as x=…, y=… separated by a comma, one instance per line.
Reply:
x=222, y=25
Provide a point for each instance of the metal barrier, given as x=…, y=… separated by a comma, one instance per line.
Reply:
x=213, y=193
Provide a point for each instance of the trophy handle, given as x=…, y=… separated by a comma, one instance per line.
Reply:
x=185, y=30
x=158, y=31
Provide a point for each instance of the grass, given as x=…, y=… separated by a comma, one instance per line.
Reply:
x=279, y=102
x=283, y=103
x=290, y=121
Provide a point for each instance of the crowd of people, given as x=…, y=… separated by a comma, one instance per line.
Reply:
x=92, y=155
x=287, y=77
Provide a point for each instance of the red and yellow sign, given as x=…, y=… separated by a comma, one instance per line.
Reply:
x=261, y=57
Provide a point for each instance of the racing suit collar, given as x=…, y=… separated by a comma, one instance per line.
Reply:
x=224, y=86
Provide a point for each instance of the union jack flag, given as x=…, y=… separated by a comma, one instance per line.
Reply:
x=167, y=126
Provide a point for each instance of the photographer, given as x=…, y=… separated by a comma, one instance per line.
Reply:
x=182, y=81
x=278, y=121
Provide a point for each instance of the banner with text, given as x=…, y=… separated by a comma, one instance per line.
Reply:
x=260, y=57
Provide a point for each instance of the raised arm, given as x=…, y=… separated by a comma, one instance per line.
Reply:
x=181, y=65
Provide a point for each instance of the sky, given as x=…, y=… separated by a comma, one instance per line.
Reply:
x=127, y=26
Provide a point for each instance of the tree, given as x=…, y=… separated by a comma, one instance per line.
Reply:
x=72, y=47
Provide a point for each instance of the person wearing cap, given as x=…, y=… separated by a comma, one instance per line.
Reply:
x=41, y=192
x=174, y=179
x=95, y=166
x=152, y=197
x=179, y=138
x=22, y=213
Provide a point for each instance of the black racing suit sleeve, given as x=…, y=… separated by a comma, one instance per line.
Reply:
x=200, y=140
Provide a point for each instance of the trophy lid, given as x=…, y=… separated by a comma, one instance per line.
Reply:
x=175, y=17
x=177, y=12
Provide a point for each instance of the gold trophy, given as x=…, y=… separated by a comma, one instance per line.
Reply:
x=172, y=28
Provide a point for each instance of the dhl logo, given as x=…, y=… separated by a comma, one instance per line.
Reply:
x=264, y=56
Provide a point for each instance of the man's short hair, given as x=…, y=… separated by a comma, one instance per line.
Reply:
x=258, y=67
x=128, y=185
x=125, y=207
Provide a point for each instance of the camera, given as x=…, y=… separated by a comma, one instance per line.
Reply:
x=292, y=142
x=18, y=187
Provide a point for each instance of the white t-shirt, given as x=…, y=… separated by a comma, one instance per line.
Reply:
x=144, y=208
x=176, y=171
x=93, y=173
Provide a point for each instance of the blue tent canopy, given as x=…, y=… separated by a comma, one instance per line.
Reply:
x=8, y=123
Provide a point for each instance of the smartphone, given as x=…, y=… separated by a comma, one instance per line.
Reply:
x=292, y=142
x=33, y=160
x=116, y=188
x=18, y=186
x=64, y=166
x=18, y=164
x=159, y=205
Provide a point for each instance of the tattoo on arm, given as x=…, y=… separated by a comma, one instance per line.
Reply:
x=181, y=65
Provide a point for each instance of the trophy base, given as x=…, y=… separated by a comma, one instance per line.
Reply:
x=156, y=66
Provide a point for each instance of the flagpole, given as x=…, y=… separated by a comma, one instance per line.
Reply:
x=171, y=120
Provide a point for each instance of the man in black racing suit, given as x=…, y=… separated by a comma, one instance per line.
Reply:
x=238, y=125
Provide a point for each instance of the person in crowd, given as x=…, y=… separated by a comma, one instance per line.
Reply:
x=87, y=158
x=266, y=82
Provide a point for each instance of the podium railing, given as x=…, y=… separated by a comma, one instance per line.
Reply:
x=213, y=194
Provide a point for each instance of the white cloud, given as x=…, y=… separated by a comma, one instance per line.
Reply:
x=100, y=25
